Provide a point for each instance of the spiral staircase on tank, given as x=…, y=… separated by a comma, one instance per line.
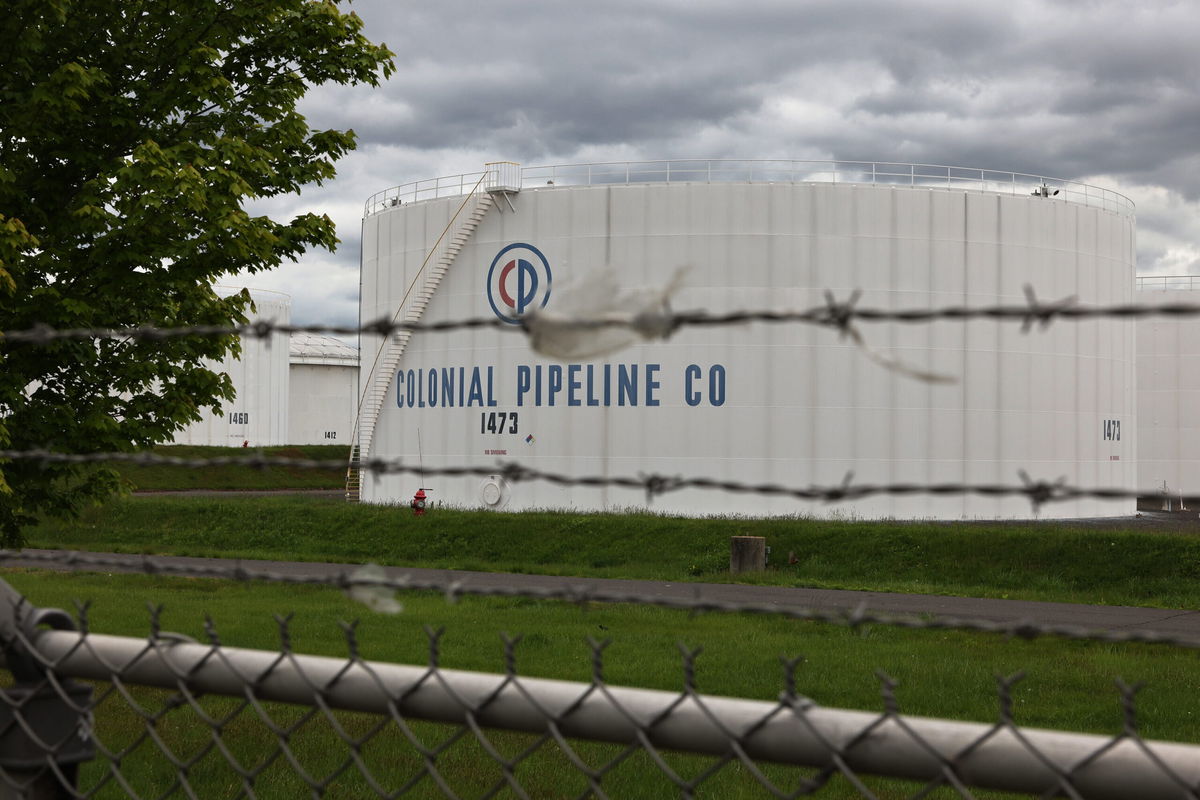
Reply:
x=416, y=298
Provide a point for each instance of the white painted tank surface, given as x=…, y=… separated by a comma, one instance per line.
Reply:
x=258, y=416
x=323, y=390
x=794, y=405
x=1168, y=393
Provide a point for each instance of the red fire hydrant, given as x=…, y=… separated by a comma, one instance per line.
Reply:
x=418, y=503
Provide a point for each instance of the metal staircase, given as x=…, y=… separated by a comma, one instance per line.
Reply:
x=420, y=291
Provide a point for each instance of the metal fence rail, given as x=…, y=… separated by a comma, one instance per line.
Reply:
x=273, y=722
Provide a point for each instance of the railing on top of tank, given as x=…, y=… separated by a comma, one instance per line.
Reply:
x=428, y=189
x=1168, y=282
x=779, y=171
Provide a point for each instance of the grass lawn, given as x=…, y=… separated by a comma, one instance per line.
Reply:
x=1035, y=561
x=166, y=478
x=947, y=674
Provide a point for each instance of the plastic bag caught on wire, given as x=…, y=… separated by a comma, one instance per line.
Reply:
x=595, y=317
x=370, y=593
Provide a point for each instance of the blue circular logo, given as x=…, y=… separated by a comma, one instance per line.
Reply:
x=518, y=280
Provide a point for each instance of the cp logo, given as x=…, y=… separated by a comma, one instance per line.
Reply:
x=518, y=280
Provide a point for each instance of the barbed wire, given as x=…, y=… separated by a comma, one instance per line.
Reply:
x=838, y=314
x=1038, y=492
x=583, y=593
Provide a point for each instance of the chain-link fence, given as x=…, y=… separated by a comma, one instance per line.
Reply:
x=85, y=714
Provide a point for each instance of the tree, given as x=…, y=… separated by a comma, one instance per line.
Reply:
x=132, y=134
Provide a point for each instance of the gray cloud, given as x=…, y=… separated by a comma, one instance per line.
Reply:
x=1055, y=87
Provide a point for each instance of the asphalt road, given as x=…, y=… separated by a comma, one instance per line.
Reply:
x=1183, y=623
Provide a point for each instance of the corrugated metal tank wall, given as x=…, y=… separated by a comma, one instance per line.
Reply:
x=258, y=415
x=802, y=405
x=1168, y=387
x=323, y=402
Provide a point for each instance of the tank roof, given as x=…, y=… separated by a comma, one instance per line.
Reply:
x=309, y=348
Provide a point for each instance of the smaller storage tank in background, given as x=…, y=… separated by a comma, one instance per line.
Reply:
x=258, y=414
x=1168, y=394
x=323, y=391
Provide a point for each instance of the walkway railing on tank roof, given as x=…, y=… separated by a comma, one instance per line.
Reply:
x=429, y=189
x=762, y=171
x=1167, y=283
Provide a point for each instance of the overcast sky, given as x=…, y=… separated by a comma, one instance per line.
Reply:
x=1102, y=92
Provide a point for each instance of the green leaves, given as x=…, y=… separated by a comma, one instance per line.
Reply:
x=131, y=135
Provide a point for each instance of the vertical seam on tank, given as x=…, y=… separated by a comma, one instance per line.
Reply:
x=930, y=414
x=855, y=363
x=1078, y=361
x=814, y=358
x=606, y=412
x=998, y=352
x=894, y=395
x=1131, y=381
x=963, y=367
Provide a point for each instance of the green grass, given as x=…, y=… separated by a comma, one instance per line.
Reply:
x=1044, y=561
x=945, y=674
x=166, y=478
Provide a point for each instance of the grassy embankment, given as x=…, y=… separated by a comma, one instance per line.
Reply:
x=1044, y=561
x=1069, y=684
x=166, y=478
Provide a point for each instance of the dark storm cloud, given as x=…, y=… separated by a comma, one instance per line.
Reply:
x=1070, y=89
x=559, y=79
x=1081, y=87
x=550, y=77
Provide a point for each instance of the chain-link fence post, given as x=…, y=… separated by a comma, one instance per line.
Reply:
x=45, y=722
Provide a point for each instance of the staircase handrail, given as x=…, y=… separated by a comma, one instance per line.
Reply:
x=371, y=374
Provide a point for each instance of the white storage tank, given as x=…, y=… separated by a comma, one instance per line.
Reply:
x=1168, y=393
x=323, y=390
x=258, y=414
x=794, y=405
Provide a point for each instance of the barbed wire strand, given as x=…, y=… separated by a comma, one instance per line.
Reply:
x=580, y=592
x=1038, y=492
x=651, y=324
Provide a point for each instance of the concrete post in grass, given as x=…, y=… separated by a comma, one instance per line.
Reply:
x=747, y=554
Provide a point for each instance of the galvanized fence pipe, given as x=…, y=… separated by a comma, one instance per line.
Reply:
x=790, y=731
x=44, y=724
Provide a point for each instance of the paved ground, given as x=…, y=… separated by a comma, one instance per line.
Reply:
x=1178, y=622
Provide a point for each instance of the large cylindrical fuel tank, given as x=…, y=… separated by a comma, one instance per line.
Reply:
x=794, y=405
